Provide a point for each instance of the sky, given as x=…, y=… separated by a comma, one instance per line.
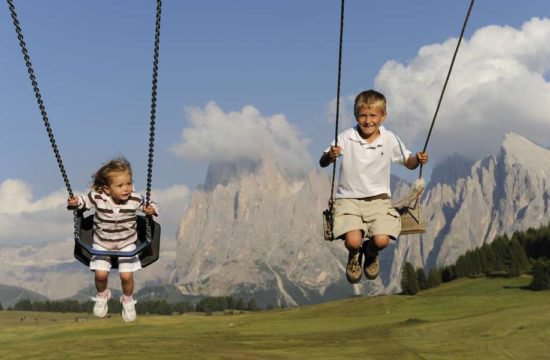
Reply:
x=238, y=79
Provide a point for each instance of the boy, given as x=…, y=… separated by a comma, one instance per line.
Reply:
x=363, y=205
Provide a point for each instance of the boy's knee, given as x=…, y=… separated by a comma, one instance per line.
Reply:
x=381, y=241
x=354, y=239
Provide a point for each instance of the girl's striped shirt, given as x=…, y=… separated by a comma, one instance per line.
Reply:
x=114, y=224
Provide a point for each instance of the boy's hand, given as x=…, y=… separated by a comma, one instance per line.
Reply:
x=149, y=210
x=334, y=152
x=72, y=203
x=422, y=157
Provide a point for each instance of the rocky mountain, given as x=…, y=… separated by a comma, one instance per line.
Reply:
x=51, y=270
x=252, y=231
x=257, y=233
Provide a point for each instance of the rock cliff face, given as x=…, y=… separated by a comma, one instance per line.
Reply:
x=257, y=233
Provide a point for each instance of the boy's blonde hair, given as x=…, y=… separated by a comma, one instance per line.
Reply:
x=102, y=177
x=368, y=99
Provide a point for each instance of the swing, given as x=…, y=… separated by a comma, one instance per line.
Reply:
x=408, y=207
x=148, y=231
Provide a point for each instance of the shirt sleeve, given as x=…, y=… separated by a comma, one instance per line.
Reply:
x=399, y=153
x=86, y=202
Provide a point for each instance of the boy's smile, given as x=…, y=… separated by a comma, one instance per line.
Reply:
x=369, y=121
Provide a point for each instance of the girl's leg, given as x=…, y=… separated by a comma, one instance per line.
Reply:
x=101, y=280
x=128, y=302
x=127, y=282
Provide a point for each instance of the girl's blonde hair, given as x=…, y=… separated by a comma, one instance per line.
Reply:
x=102, y=177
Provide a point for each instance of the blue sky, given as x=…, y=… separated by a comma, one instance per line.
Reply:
x=261, y=63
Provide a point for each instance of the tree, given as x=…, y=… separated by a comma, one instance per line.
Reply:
x=434, y=278
x=240, y=304
x=251, y=306
x=541, y=276
x=23, y=305
x=1, y=307
x=409, y=282
x=421, y=278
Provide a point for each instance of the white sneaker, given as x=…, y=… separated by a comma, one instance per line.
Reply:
x=100, y=307
x=128, y=310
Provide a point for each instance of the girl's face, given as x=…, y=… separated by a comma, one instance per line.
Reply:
x=369, y=120
x=120, y=187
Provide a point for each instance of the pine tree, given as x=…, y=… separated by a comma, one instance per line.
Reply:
x=421, y=278
x=541, y=276
x=409, y=282
x=251, y=306
x=434, y=278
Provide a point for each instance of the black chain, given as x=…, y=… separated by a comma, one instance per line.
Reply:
x=446, y=81
x=153, y=103
x=39, y=100
x=331, y=201
x=153, y=116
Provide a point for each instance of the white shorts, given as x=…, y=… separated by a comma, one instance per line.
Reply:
x=125, y=264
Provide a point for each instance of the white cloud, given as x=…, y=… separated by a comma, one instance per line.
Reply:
x=216, y=135
x=27, y=220
x=172, y=202
x=498, y=85
x=346, y=118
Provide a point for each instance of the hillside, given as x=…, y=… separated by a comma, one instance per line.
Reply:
x=469, y=318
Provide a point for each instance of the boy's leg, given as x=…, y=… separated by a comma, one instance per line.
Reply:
x=371, y=249
x=127, y=300
x=353, y=241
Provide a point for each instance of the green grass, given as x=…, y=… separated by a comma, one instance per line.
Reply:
x=465, y=319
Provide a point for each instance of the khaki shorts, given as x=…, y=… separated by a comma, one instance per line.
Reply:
x=374, y=217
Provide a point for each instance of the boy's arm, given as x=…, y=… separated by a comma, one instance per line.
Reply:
x=330, y=156
x=413, y=161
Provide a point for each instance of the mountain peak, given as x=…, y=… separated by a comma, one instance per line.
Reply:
x=518, y=149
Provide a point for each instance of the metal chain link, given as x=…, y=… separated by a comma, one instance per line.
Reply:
x=39, y=100
x=446, y=81
x=153, y=115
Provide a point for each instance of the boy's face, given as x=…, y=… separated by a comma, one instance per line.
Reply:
x=120, y=187
x=369, y=120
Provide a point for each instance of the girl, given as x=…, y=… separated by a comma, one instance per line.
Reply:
x=116, y=203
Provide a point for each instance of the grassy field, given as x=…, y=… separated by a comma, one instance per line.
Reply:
x=465, y=319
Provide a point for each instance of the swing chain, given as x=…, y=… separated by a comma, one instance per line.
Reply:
x=446, y=81
x=153, y=115
x=39, y=100
x=153, y=103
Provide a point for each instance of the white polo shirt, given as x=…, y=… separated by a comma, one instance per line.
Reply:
x=364, y=167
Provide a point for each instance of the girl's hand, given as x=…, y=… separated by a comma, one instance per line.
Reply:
x=72, y=203
x=149, y=210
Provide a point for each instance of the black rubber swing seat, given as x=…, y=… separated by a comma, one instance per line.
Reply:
x=148, y=251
